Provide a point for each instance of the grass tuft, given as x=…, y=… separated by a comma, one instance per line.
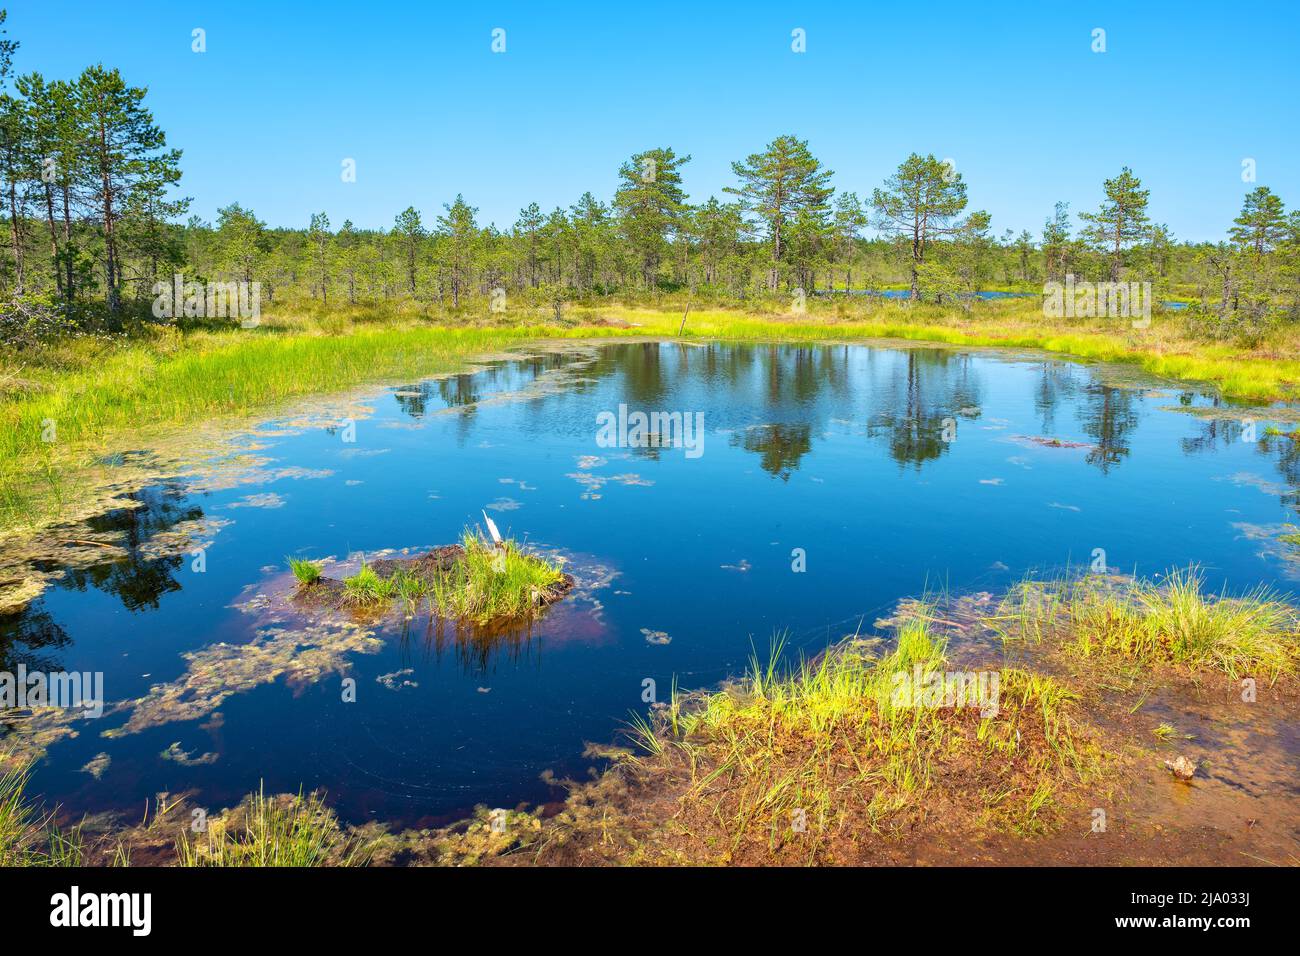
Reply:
x=269, y=831
x=366, y=588
x=1176, y=622
x=411, y=589
x=833, y=747
x=29, y=837
x=493, y=583
x=307, y=572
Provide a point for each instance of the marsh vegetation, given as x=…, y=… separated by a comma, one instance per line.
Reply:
x=494, y=582
x=1170, y=622
x=831, y=748
x=476, y=582
x=29, y=835
x=293, y=830
x=895, y=388
x=819, y=760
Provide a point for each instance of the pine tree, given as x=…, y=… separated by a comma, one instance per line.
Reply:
x=15, y=165
x=458, y=233
x=717, y=228
x=349, y=244
x=781, y=183
x=650, y=203
x=319, y=239
x=1056, y=242
x=147, y=231
x=918, y=205
x=126, y=151
x=850, y=220
x=590, y=221
x=60, y=148
x=241, y=240
x=1121, y=221
x=1262, y=223
x=529, y=226
x=409, y=234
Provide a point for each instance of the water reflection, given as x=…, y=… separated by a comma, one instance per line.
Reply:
x=780, y=447
x=1057, y=382
x=931, y=386
x=144, y=568
x=700, y=549
x=774, y=400
x=1280, y=450
x=1109, y=420
x=30, y=638
x=456, y=391
x=477, y=651
x=1286, y=452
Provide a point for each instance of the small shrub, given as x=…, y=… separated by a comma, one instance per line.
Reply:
x=1249, y=326
x=28, y=320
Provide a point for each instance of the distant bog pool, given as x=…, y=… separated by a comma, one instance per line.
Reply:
x=823, y=484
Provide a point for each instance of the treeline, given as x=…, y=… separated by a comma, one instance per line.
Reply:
x=86, y=177
x=93, y=222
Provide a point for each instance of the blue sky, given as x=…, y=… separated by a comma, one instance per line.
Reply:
x=1011, y=92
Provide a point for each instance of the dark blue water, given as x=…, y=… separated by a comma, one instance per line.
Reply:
x=846, y=452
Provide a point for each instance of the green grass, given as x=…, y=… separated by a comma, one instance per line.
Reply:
x=93, y=397
x=270, y=831
x=1166, y=731
x=411, y=589
x=1174, y=622
x=29, y=837
x=491, y=583
x=307, y=572
x=833, y=742
x=487, y=584
x=17, y=819
x=366, y=588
